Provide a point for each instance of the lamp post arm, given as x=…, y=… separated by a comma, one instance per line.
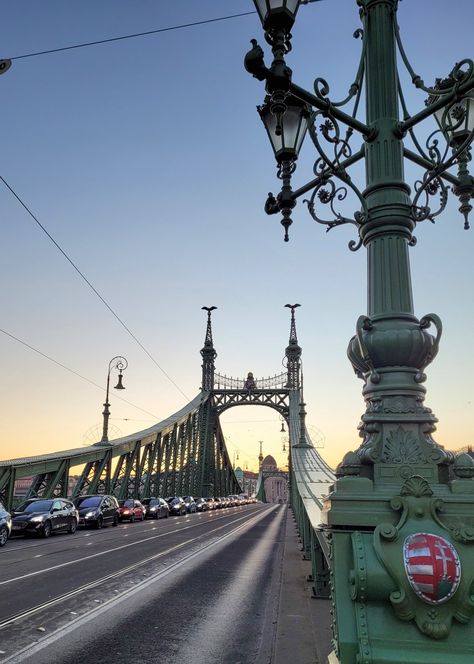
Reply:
x=434, y=106
x=425, y=163
x=316, y=181
x=320, y=104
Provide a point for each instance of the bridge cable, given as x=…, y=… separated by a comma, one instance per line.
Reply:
x=82, y=275
x=101, y=387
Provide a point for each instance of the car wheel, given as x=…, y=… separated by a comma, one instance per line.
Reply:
x=46, y=532
x=132, y=518
x=72, y=527
x=167, y=515
x=3, y=535
x=143, y=517
x=99, y=523
x=157, y=516
x=115, y=521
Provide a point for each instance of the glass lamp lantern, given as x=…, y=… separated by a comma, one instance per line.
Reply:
x=286, y=123
x=457, y=120
x=277, y=14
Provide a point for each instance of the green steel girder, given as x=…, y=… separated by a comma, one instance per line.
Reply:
x=7, y=485
x=50, y=485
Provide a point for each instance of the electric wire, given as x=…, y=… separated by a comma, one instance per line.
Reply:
x=132, y=36
x=63, y=366
x=141, y=34
x=82, y=275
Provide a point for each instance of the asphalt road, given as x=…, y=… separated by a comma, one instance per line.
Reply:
x=188, y=590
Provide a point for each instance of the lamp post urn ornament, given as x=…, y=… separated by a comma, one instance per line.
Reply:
x=399, y=519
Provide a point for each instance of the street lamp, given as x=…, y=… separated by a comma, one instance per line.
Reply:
x=387, y=503
x=119, y=363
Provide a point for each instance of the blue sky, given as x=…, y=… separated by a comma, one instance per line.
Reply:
x=147, y=162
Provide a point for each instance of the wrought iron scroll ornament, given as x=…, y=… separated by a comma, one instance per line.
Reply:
x=451, y=100
x=331, y=166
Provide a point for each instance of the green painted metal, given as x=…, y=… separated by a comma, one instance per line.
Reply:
x=400, y=486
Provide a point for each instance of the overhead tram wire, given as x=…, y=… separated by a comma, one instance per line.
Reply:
x=132, y=36
x=82, y=275
x=63, y=366
x=141, y=34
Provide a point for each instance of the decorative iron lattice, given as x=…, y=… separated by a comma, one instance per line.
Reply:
x=229, y=383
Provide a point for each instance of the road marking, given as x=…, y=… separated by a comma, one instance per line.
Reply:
x=101, y=553
x=138, y=587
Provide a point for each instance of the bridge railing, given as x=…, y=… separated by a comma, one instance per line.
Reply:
x=222, y=382
x=172, y=457
x=310, y=481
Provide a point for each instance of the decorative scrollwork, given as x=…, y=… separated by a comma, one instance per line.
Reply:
x=329, y=166
x=328, y=194
x=430, y=186
x=321, y=86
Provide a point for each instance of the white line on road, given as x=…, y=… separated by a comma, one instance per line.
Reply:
x=34, y=648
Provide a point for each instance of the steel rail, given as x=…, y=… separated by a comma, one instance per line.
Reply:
x=108, y=577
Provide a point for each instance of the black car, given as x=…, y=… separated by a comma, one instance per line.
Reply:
x=176, y=505
x=190, y=503
x=156, y=508
x=201, y=504
x=43, y=517
x=5, y=525
x=97, y=510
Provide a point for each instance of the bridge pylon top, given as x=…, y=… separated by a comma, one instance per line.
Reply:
x=293, y=353
x=208, y=354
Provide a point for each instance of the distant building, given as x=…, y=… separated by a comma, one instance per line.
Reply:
x=249, y=482
x=239, y=474
x=276, y=487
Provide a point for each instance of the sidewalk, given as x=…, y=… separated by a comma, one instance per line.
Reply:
x=303, y=633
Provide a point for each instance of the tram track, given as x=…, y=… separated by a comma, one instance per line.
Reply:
x=248, y=520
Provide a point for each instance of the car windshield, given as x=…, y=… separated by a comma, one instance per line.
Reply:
x=35, y=506
x=93, y=501
x=125, y=503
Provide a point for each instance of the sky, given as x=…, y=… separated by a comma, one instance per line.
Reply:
x=146, y=160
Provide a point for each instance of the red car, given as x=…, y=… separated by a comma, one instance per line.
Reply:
x=130, y=509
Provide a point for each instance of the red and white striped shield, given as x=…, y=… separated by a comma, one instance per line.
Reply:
x=432, y=566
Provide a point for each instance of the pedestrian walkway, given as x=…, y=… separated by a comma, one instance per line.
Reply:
x=303, y=630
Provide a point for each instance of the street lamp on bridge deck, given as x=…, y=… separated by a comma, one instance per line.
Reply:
x=119, y=363
x=399, y=490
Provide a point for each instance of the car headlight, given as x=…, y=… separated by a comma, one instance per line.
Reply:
x=89, y=515
x=37, y=519
x=152, y=509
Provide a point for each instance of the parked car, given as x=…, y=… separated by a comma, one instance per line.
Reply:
x=218, y=503
x=201, y=504
x=5, y=525
x=211, y=503
x=176, y=505
x=190, y=503
x=156, y=508
x=131, y=509
x=43, y=517
x=97, y=510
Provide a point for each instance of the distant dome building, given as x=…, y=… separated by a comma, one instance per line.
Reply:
x=276, y=487
x=269, y=463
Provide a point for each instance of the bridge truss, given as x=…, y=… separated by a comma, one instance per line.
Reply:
x=186, y=454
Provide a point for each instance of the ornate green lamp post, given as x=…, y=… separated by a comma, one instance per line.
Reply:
x=119, y=363
x=400, y=515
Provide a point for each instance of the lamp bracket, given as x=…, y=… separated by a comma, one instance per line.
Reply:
x=332, y=166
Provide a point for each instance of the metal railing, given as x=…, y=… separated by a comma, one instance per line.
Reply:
x=279, y=381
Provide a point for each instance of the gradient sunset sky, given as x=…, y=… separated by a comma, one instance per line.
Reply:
x=146, y=160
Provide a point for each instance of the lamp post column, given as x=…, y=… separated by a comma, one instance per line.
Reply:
x=393, y=498
x=106, y=413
